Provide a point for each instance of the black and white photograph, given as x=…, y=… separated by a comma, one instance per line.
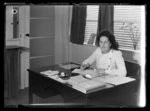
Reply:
x=85, y=55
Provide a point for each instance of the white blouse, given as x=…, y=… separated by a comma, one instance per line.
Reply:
x=112, y=62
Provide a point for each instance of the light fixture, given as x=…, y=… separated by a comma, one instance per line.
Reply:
x=15, y=11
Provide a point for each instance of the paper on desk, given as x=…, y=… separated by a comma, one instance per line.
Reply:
x=85, y=85
x=77, y=79
x=92, y=73
x=115, y=80
x=77, y=71
x=69, y=66
x=57, y=78
x=91, y=84
x=49, y=72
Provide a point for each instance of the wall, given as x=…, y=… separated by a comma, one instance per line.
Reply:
x=81, y=52
x=62, y=25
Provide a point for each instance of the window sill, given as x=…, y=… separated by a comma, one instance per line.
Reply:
x=91, y=45
x=129, y=50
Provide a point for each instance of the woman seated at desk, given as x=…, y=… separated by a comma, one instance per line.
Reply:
x=108, y=58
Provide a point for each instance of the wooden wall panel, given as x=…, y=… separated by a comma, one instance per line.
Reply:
x=42, y=42
x=42, y=11
x=42, y=27
x=42, y=47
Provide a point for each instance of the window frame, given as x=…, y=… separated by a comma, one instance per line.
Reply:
x=121, y=48
x=86, y=38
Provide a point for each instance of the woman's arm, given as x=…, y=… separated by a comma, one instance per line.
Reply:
x=120, y=65
x=91, y=58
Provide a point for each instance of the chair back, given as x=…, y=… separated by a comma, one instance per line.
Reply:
x=133, y=69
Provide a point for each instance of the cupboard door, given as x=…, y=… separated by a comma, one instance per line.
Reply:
x=42, y=36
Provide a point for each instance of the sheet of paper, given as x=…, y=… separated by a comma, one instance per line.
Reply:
x=85, y=85
x=89, y=84
x=84, y=71
x=57, y=78
x=69, y=66
x=115, y=80
x=103, y=78
x=77, y=71
x=49, y=72
x=77, y=79
x=92, y=73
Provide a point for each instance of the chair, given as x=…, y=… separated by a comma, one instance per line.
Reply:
x=121, y=95
x=133, y=70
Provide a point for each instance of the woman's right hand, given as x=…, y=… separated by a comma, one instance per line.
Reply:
x=83, y=66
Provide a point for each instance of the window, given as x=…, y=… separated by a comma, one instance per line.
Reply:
x=91, y=23
x=126, y=19
x=123, y=15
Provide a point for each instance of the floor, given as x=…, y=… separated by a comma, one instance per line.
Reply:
x=22, y=99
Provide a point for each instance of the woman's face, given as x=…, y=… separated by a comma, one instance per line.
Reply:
x=104, y=44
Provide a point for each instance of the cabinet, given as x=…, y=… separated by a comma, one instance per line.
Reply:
x=42, y=36
x=12, y=71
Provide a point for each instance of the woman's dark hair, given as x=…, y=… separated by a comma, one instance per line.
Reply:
x=111, y=38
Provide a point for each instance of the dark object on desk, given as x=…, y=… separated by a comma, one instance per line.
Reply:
x=65, y=77
x=68, y=84
x=90, y=68
x=74, y=74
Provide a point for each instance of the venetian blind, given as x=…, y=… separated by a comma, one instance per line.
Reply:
x=124, y=15
x=91, y=21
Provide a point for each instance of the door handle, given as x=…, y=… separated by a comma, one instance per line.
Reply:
x=27, y=35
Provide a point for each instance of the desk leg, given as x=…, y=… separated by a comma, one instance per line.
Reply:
x=86, y=99
x=30, y=97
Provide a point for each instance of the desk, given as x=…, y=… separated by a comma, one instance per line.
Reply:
x=45, y=87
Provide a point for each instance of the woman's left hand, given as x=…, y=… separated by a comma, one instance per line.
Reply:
x=101, y=71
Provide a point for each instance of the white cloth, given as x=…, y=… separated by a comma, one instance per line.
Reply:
x=113, y=61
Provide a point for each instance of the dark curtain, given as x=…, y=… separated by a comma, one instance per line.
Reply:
x=78, y=24
x=11, y=87
x=106, y=18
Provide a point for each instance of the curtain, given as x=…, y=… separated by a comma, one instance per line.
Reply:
x=78, y=24
x=105, y=18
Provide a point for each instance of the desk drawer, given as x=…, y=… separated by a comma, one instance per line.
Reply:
x=41, y=86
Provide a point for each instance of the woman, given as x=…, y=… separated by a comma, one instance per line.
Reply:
x=108, y=58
